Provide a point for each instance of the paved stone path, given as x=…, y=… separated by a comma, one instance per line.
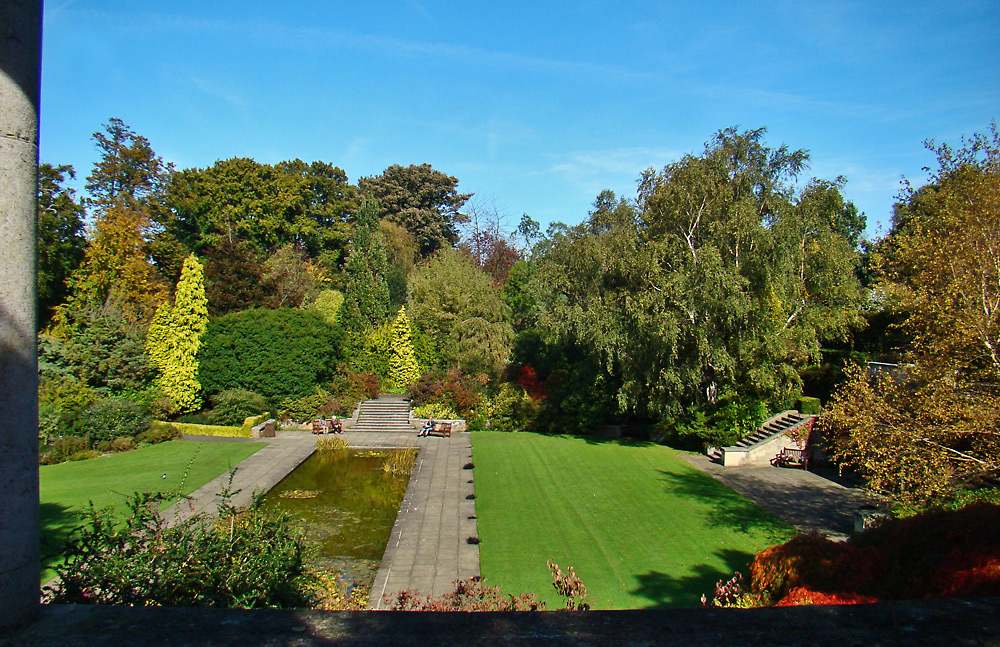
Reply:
x=428, y=549
x=803, y=499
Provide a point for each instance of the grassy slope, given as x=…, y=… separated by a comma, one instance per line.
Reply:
x=641, y=527
x=67, y=488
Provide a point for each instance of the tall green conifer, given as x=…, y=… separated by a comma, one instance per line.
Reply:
x=175, y=336
x=366, y=298
x=403, y=368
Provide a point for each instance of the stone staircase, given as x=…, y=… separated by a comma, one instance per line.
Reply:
x=386, y=413
x=769, y=433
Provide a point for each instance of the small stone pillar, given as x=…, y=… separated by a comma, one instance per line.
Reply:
x=20, y=76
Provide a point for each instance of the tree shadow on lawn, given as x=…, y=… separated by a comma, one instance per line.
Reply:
x=624, y=441
x=57, y=524
x=729, y=509
x=664, y=591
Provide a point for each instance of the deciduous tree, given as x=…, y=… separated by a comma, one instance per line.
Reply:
x=61, y=242
x=461, y=308
x=423, y=200
x=932, y=431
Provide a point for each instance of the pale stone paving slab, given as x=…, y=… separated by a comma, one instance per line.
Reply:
x=429, y=548
x=803, y=499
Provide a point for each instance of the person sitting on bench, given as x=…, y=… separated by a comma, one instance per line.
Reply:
x=428, y=427
x=335, y=426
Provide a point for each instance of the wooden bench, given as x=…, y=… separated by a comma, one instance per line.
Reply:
x=442, y=429
x=323, y=426
x=792, y=458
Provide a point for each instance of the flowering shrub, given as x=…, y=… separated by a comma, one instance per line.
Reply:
x=472, y=594
x=730, y=593
x=461, y=392
x=527, y=378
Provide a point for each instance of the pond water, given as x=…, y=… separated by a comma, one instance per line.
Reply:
x=345, y=504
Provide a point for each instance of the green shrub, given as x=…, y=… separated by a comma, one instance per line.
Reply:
x=279, y=354
x=84, y=455
x=52, y=423
x=309, y=407
x=234, y=406
x=809, y=406
x=66, y=394
x=62, y=449
x=123, y=443
x=158, y=432
x=103, y=446
x=112, y=417
x=511, y=409
x=248, y=558
x=734, y=418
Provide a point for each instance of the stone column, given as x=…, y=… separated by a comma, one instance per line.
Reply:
x=20, y=76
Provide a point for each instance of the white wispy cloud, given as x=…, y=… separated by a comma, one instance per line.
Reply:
x=218, y=91
x=318, y=39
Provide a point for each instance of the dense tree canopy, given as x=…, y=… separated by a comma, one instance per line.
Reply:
x=239, y=199
x=61, y=243
x=717, y=280
x=423, y=200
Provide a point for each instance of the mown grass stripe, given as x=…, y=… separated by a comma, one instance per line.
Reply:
x=641, y=527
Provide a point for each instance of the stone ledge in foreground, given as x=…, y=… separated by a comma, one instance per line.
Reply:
x=954, y=623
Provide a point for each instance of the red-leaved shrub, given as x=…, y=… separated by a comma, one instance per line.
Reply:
x=941, y=553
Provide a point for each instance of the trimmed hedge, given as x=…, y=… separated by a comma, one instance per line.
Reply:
x=212, y=430
x=280, y=354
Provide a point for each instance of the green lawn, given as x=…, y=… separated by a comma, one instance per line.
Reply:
x=641, y=527
x=67, y=488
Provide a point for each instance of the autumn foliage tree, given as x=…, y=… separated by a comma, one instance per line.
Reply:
x=932, y=430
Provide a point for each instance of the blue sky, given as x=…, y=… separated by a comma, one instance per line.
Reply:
x=535, y=106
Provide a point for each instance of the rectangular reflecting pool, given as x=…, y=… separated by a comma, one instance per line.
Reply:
x=345, y=502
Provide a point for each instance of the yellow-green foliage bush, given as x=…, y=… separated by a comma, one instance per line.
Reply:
x=511, y=409
x=212, y=430
x=435, y=410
